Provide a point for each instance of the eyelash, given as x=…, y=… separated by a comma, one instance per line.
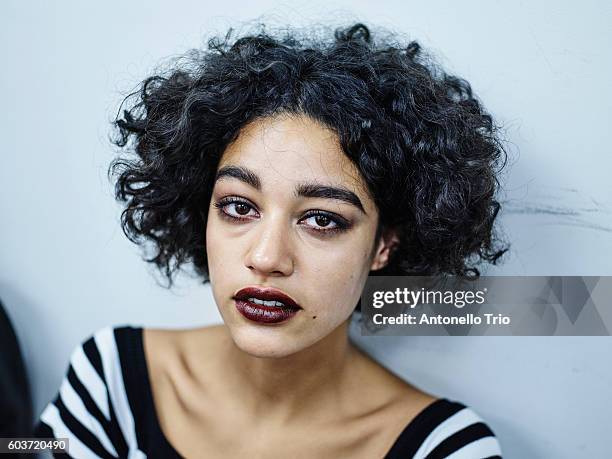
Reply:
x=341, y=225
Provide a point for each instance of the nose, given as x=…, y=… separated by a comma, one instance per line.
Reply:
x=270, y=252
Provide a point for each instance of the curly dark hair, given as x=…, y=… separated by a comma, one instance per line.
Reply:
x=427, y=149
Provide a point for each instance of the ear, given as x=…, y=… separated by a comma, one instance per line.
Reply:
x=388, y=242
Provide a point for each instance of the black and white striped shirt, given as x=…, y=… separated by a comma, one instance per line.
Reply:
x=105, y=408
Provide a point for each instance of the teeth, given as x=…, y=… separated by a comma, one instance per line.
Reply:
x=266, y=303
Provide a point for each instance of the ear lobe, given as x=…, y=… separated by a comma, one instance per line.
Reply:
x=389, y=241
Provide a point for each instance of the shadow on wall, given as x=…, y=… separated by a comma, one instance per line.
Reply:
x=15, y=398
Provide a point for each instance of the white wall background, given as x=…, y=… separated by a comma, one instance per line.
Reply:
x=543, y=68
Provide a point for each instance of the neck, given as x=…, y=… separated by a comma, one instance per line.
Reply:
x=297, y=385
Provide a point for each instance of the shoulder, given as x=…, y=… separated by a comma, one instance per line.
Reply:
x=173, y=356
x=165, y=348
x=448, y=428
x=91, y=407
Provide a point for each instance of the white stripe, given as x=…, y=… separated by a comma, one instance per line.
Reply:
x=136, y=454
x=75, y=405
x=105, y=340
x=484, y=447
x=445, y=429
x=90, y=378
x=76, y=448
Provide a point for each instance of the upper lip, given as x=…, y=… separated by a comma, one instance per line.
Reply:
x=266, y=293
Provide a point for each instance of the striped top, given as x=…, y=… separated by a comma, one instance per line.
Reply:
x=105, y=408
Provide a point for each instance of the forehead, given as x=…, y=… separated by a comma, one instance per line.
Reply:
x=286, y=149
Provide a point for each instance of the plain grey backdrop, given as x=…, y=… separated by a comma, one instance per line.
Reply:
x=542, y=68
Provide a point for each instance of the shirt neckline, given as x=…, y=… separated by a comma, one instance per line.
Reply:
x=166, y=450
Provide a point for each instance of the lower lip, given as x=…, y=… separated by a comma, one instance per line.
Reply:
x=264, y=314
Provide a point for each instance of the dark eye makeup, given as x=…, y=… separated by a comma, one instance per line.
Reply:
x=321, y=217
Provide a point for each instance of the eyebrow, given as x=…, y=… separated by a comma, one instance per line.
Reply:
x=304, y=189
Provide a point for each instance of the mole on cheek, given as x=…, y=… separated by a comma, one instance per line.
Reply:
x=314, y=317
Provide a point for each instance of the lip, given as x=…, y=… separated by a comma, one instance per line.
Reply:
x=262, y=313
x=267, y=294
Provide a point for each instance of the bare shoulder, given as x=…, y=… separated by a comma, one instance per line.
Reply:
x=395, y=395
x=387, y=403
x=174, y=357
x=167, y=348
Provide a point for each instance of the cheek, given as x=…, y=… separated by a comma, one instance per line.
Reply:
x=337, y=278
x=217, y=248
x=341, y=262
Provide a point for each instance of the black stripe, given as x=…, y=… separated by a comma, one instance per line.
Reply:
x=459, y=439
x=42, y=430
x=81, y=432
x=90, y=348
x=93, y=355
x=417, y=430
x=111, y=427
x=122, y=446
x=127, y=339
x=151, y=438
x=85, y=396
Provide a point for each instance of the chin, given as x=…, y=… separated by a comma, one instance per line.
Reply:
x=264, y=342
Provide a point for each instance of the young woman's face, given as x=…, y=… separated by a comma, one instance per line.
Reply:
x=290, y=211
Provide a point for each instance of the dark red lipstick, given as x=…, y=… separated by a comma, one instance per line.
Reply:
x=249, y=302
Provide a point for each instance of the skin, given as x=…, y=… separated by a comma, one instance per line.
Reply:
x=277, y=247
x=268, y=390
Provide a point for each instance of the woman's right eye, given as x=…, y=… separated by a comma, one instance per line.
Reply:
x=234, y=209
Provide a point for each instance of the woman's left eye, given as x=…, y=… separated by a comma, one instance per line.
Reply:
x=323, y=222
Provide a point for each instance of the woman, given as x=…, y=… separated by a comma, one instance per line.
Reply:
x=287, y=171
